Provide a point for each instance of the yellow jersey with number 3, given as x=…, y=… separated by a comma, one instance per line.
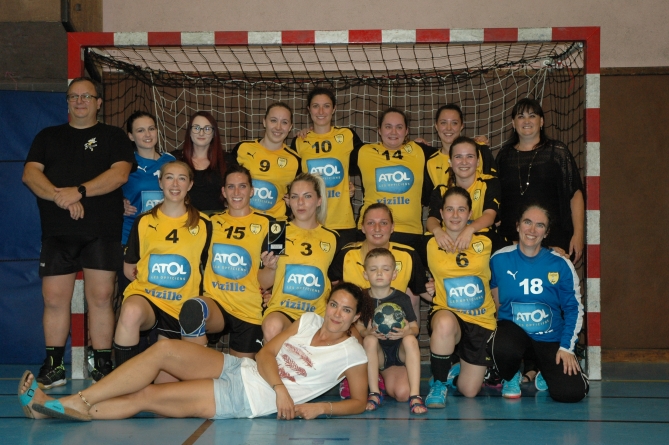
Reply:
x=301, y=282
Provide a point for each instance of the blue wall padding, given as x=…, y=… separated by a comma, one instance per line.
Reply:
x=22, y=115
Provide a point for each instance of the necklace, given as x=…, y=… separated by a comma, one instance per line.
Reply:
x=529, y=171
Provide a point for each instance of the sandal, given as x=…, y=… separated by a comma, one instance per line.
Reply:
x=529, y=376
x=419, y=403
x=53, y=408
x=26, y=397
x=376, y=403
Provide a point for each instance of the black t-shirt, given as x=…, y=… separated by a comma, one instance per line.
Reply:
x=72, y=156
x=402, y=300
x=205, y=195
x=553, y=179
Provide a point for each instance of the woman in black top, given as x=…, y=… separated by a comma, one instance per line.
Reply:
x=535, y=169
x=203, y=153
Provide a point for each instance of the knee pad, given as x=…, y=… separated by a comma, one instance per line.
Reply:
x=192, y=317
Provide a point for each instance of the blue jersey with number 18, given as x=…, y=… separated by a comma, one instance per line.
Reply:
x=541, y=294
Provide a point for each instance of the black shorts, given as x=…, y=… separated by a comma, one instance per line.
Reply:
x=391, y=354
x=244, y=336
x=63, y=255
x=473, y=341
x=165, y=324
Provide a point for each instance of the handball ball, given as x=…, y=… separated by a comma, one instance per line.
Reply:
x=388, y=316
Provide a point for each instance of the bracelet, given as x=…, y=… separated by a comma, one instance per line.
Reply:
x=330, y=416
x=84, y=399
x=277, y=384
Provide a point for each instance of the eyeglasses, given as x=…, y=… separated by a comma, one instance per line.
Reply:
x=84, y=97
x=207, y=129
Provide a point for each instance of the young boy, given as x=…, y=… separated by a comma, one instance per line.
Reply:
x=397, y=354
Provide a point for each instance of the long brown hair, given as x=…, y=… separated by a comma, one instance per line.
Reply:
x=215, y=152
x=459, y=140
x=193, y=214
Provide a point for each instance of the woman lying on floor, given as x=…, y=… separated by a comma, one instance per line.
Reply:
x=296, y=366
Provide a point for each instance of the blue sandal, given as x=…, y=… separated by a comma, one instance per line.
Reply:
x=419, y=403
x=53, y=408
x=375, y=403
x=27, y=397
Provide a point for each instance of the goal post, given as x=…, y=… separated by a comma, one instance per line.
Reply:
x=236, y=74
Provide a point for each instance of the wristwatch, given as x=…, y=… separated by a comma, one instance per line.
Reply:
x=81, y=189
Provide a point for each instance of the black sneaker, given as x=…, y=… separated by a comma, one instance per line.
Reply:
x=50, y=376
x=102, y=368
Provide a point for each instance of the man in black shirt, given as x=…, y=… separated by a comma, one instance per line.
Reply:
x=76, y=171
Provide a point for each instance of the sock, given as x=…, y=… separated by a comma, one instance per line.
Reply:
x=440, y=365
x=101, y=356
x=124, y=353
x=55, y=353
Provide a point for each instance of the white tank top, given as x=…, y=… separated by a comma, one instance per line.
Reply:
x=307, y=371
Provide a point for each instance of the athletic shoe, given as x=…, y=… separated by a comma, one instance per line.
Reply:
x=101, y=370
x=492, y=378
x=344, y=390
x=50, y=376
x=511, y=388
x=436, y=398
x=540, y=383
x=452, y=374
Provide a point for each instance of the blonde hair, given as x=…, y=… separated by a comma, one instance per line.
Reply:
x=321, y=191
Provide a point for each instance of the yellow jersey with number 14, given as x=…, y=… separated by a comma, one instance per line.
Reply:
x=395, y=178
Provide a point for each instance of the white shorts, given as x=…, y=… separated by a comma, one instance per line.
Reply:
x=229, y=393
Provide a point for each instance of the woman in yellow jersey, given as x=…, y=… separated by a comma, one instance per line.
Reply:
x=331, y=152
x=232, y=301
x=272, y=164
x=300, y=277
x=392, y=173
x=463, y=314
x=484, y=190
x=377, y=225
x=165, y=249
x=449, y=123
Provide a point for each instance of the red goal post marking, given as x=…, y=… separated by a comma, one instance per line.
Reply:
x=590, y=36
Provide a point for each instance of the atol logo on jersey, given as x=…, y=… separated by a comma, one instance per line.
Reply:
x=264, y=195
x=534, y=318
x=397, y=179
x=150, y=199
x=170, y=271
x=330, y=169
x=305, y=282
x=464, y=293
x=232, y=262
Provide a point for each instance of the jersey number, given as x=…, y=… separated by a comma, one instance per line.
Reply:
x=172, y=236
x=264, y=165
x=535, y=286
x=326, y=146
x=238, y=232
x=461, y=260
x=397, y=154
x=307, y=249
